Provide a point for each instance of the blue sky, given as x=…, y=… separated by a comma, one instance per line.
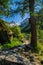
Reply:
x=17, y=17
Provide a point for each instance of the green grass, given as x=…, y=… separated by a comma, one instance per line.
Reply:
x=14, y=43
x=40, y=41
x=40, y=47
x=40, y=34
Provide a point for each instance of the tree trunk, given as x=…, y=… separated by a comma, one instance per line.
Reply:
x=33, y=25
x=33, y=33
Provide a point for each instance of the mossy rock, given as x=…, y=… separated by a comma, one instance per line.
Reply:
x=4, y=32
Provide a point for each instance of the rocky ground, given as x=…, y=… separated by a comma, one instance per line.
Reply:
x=19, y=56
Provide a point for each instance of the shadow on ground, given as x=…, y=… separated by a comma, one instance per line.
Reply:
x=5, y=62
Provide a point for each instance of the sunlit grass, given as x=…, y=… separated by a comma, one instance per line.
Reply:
x=40, y=47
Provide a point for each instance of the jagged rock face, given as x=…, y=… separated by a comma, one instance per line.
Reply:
x=19, y=56
x=4, y=37
x=5, y=62
x=4, y=32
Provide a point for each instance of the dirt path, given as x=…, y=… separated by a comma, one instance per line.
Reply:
x=26, y=42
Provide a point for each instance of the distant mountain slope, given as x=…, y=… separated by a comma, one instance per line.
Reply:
x=11, y=24
x=25, y=26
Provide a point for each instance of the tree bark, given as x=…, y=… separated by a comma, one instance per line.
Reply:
x=33, y=25
x=33, y=33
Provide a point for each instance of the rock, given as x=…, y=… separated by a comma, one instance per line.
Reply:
x=19, y=56
x=5, y=62
x=31, y=58
x=35, y=63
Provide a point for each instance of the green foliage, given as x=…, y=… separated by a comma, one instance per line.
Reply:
x=40, y=47
x=15, y=42
x=41, y=34
x=16, y=31
x=21, y=37
x=40, y=41
x=40, y=19
x=3, y=6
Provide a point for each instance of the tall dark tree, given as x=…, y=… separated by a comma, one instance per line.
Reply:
x=33, y=25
